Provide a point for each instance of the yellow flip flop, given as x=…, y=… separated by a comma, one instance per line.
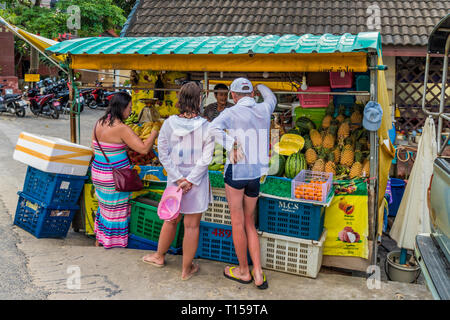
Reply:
x=234, y=278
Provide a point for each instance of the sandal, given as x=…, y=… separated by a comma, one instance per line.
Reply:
x=233, y=277
x=153, y=263
x=263, y=285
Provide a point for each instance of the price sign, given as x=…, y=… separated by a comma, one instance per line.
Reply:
x=32, y=77
x=221, y=233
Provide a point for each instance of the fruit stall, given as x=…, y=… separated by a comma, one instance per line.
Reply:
x=327, y=174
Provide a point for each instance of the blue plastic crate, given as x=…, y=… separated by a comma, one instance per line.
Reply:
x=216, y=243
x=291, y=218
x=342, y=100
x=153, y=173
x=42, y=220
x=52, y=188
x=136, y=242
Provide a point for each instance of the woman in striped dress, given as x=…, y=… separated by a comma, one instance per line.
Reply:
x=111, y=223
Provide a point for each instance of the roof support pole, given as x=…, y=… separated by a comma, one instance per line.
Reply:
x=72, y=119
x=444, y=83
x=374, y=162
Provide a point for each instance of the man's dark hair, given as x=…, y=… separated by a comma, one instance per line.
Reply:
x=117, y=105
x=220, y=86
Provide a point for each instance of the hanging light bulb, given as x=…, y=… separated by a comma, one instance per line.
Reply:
x=265, y=75
x=304, y=86
x=342, y=74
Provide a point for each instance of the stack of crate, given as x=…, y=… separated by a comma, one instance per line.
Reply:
x=291, y=234
x=48, y=203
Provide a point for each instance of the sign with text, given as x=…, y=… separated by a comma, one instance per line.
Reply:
x=32, y=77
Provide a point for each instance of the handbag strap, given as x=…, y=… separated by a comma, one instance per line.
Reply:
x=98, y=143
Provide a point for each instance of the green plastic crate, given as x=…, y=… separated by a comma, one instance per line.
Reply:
x=315, y=114
x=145, y=223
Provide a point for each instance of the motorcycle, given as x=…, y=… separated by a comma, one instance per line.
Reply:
x=63, y=99
x=43, y=104
x=12, y=103
x=95, y=98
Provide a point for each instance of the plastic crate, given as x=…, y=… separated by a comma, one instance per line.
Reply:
x=152, y=173
x=323, y=182
x=52, y=188
x=276, y=186
x=336, y=81
x=362, y=82
x=136, y=242
x=315, y=114
x=42, y=220
x=292, y=255
x=313, y=100
x=218, y=211
x=343, y=100
x=291, y=218
x=216, y=243
x=216, y=179
x=145, y=222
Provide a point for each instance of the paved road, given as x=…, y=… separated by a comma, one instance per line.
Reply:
x=33, y=268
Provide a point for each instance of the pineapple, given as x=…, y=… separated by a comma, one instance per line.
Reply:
x=319, y=164
x=356, y=169
x=328, y=141
x=330, y=166
x=344, y=130
x=337, y=155
x=316, y=137
x=310, y=156
x=356, y=117
x=333, y=127
x=326, y=121
x=340, y=118
x=347, y=155
x=308, y=143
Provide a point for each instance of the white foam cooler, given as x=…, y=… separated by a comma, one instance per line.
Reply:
x=53, y=155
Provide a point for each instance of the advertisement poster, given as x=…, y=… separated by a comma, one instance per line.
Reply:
x=346, y=220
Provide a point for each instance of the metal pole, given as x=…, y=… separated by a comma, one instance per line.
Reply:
x=72, y=120
x=444, y=82
x=374, y=171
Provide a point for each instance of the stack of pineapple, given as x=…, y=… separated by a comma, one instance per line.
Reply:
x=340, y=145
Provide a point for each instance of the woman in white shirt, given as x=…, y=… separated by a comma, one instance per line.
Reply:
x=185, y=150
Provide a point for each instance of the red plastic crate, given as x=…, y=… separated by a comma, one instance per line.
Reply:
x=336, y=81
x=315, y=101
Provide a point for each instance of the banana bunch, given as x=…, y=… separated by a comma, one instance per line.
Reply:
x=132, y=118
x=148, y=127
x=219, y=158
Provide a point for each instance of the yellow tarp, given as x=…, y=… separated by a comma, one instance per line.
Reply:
x=386, y=152
x=293, y=62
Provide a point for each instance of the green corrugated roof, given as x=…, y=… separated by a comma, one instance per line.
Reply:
x=307, y=43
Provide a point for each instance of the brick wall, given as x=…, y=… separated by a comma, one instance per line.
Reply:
x=6, y=52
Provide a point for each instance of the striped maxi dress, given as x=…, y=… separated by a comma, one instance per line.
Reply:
x=113, y=214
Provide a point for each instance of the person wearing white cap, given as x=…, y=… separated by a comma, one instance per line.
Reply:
x=247, y=142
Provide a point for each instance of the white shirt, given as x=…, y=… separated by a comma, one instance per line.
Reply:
x=185, y=150
x=248, y=123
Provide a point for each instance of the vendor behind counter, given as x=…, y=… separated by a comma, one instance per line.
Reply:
x=214, y=109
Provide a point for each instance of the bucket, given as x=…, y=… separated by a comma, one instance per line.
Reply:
x=400, y=272
x=397, y=190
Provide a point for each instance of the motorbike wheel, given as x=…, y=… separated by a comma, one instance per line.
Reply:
x=54, y=112
x=92, y=104
x=34, y=110
x=20, y=112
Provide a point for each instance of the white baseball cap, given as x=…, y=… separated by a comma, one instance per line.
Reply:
x=241, y=85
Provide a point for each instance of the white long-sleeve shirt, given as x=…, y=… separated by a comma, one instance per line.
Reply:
x=185, y=150
x=248, y=123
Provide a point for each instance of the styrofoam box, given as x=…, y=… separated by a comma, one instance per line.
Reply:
x=292, y=255
x=53, y=155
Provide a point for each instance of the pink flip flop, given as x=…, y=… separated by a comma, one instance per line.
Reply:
x=169, y=206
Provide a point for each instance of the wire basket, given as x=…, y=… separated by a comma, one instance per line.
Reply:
x=312, y=186
x=337, y=81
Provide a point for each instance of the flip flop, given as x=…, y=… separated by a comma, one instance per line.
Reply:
x=233, y=277
x=192, y=273
x=153, y=263
x=263, y=285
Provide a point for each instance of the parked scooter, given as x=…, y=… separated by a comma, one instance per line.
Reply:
x=42, y=104
x=12, y=103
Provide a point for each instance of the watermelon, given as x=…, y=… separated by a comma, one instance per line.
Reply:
x=276, y=165
x=304, y=125
x=294, y=164
x=294, y=131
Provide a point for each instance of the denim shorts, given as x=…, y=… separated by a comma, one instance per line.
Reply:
x=251, y=187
